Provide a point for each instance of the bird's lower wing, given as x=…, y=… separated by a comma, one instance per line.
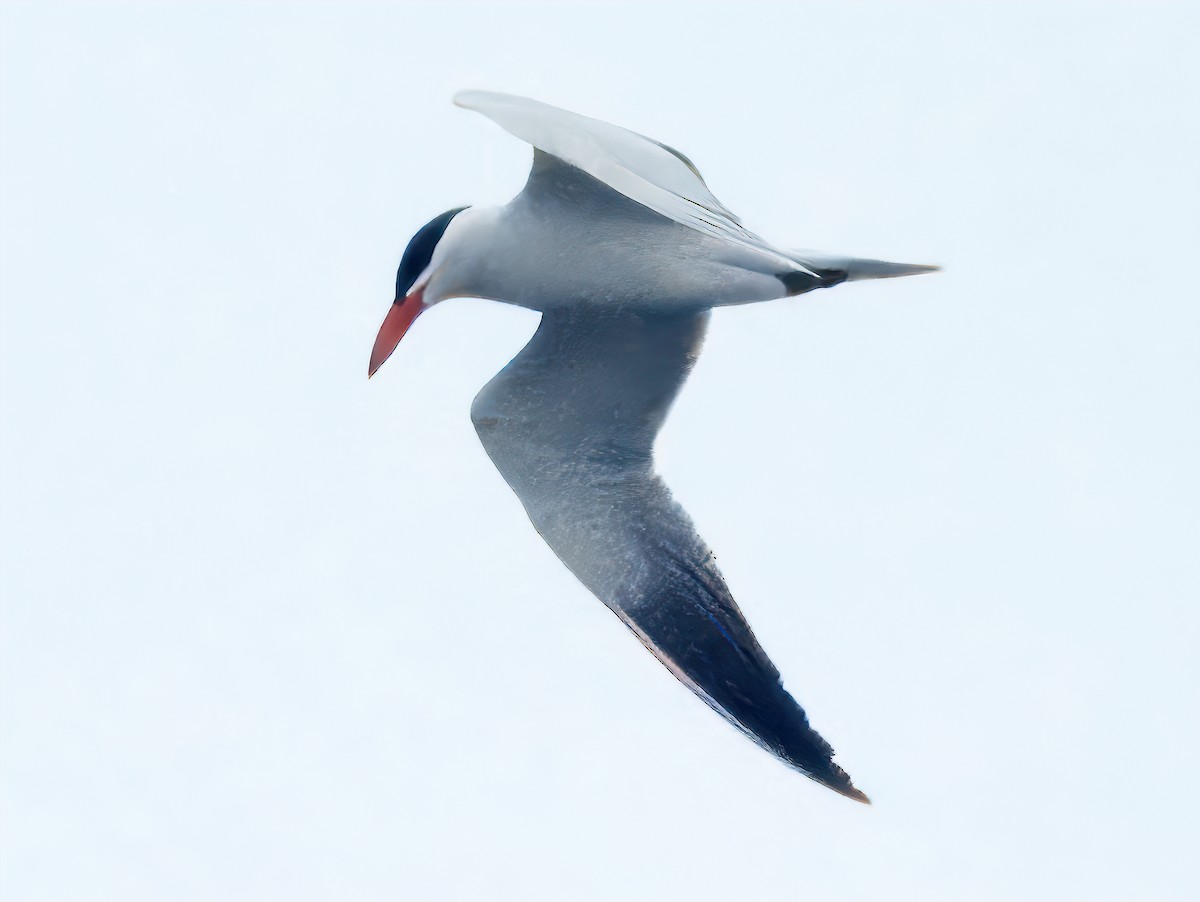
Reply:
x=570, y=423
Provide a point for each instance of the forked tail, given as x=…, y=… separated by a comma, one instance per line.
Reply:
x=857, y=268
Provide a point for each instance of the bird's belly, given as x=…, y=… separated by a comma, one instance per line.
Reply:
x=665, y=266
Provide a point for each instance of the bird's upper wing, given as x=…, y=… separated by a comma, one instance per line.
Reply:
x=570, y=423
x=644, y=170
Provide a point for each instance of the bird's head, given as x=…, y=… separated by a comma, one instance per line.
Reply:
x=419, y=284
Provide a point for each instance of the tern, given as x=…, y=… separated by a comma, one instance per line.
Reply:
x=618, y=242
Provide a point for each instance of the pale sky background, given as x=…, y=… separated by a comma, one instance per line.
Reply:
x=272, y=632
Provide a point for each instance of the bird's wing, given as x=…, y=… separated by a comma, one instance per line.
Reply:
x=644, y=170
x=570, y=423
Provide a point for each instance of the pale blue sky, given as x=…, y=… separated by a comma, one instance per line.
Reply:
x=270, y=631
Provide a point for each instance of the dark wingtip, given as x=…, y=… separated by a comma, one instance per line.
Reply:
x=857, y=794
x=813, y=757
x=839, y=781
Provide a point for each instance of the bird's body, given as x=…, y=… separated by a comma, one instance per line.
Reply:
x=619, y=243
x=569, y=239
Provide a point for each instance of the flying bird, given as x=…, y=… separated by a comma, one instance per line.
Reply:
x=618, y=242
